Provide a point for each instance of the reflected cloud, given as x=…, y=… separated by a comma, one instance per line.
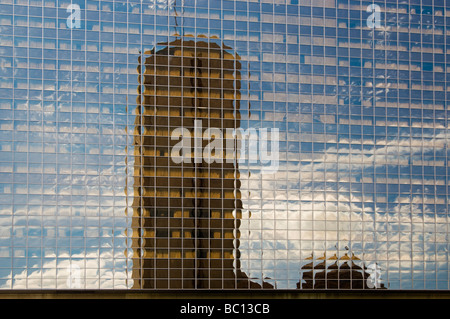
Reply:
x=324, y=212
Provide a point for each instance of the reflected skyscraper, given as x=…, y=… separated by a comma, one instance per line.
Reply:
x=186, y=213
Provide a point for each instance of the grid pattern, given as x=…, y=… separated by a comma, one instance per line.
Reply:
x=186, y=214
x=90, y=199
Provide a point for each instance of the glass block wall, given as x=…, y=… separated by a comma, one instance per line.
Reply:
x=194, y=144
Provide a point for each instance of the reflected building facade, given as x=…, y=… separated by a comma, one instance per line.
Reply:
x=187, y=208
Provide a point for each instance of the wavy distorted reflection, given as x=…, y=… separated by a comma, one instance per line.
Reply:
x=363, y=171
x=186, y=214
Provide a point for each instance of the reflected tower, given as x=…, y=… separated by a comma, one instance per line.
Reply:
x=186, y=215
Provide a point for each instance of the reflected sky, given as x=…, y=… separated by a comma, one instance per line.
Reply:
x=361, y=114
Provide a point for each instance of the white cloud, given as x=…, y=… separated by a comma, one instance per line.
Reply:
x=316, y=218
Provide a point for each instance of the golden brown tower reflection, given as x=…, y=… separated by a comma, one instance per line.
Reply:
x=186, y=216
x=334, y=273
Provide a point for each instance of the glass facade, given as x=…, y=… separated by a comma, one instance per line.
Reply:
x=194, y=144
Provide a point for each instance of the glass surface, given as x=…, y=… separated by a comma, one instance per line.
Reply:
x=317, y=133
